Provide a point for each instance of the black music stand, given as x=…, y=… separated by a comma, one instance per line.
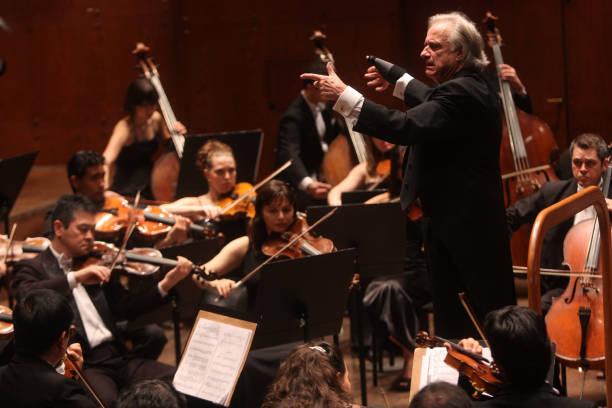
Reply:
x=14, y=172
x=360, y=196
x=185, y=296
x=378, y=232
x=303, y=298
x=246, y=145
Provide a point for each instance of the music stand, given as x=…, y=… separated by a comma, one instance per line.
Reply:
x=185, y=296
x=302, y=299
x=246, y=145
x=378, y=232
x=360, y=196
x=14, y=172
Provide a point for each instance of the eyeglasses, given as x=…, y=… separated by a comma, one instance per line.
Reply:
x=589, y=163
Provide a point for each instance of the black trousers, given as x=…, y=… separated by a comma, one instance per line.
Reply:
x=109, y=369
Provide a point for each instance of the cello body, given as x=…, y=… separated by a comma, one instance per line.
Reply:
x=338, y=160
x=578, y=346
x=164, y=176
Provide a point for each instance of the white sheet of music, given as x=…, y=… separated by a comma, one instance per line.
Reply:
x=433, y=367
x=213, y=360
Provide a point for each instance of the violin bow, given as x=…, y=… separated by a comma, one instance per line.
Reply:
x=9, y=243
x=291, y=242
x=256, y=186
x=128, y=231
x=468, y=308
x=80, y=374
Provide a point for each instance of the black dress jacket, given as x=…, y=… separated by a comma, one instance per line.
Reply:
x=28, y=381
x=112, y=301
x=299, y=139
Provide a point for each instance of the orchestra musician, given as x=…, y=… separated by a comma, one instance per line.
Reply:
x=42, y=320
x=589, y=154
x=217, y=162
x=521, y=349
x=98, y=296
x=274, y=214
x=306, y=129
x=453, y=133
x=130, y=151
x=86, y=174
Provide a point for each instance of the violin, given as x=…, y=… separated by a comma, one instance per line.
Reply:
x=72, y=370
x=239, y=203
x=6, y=322
x=308, y=244
x=152, y=222
x=29, y=248
x=136, y=261
x=484, y=375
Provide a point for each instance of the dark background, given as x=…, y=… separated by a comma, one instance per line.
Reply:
x=234, y=65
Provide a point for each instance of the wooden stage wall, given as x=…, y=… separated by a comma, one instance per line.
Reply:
x=234, y=65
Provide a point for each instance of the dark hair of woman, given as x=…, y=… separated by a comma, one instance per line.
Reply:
x=140, y=92
x=310, y=377
x=267, y=194
x=211, y=148
x=396, y=176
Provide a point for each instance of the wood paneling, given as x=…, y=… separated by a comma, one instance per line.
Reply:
x=234, y=65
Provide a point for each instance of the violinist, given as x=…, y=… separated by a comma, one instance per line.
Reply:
x=98, y=296
x=86, y=174
x=521, y=349
x=275, y=213
x=42, y=322
x=364, y=174
x=305, y=132
x=136, y=138
x=589, y=154
x=453, y=134
x=217, y=162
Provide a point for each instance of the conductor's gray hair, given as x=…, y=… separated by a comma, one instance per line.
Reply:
x=464, y=37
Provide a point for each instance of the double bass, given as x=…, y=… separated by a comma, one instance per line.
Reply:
x=164, y=176
x=528, y=153
x=339, y=158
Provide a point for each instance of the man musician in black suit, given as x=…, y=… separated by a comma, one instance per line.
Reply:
x=589, y=160
x=453, y=133
x=42, y=322
x=97, y=297
x=305, y=132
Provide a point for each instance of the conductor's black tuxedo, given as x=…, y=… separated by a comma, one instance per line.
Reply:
x=108, y=366
x=298, y=139
x=453, y=133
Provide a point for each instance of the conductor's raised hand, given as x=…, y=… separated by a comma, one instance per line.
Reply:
x=376, y=80
x=330, y=86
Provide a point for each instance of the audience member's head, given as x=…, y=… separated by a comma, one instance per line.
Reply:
x=441, y=395
x=314, y=375
x=150, y=394
x=519, y=344
x=41, y=322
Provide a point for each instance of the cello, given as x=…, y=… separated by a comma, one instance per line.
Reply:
x=575, y=319
x=528, y=149
x=339, y=159
x=164, y=176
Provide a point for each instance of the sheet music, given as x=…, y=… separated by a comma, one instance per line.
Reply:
x=433, y=367
x=213, y=360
